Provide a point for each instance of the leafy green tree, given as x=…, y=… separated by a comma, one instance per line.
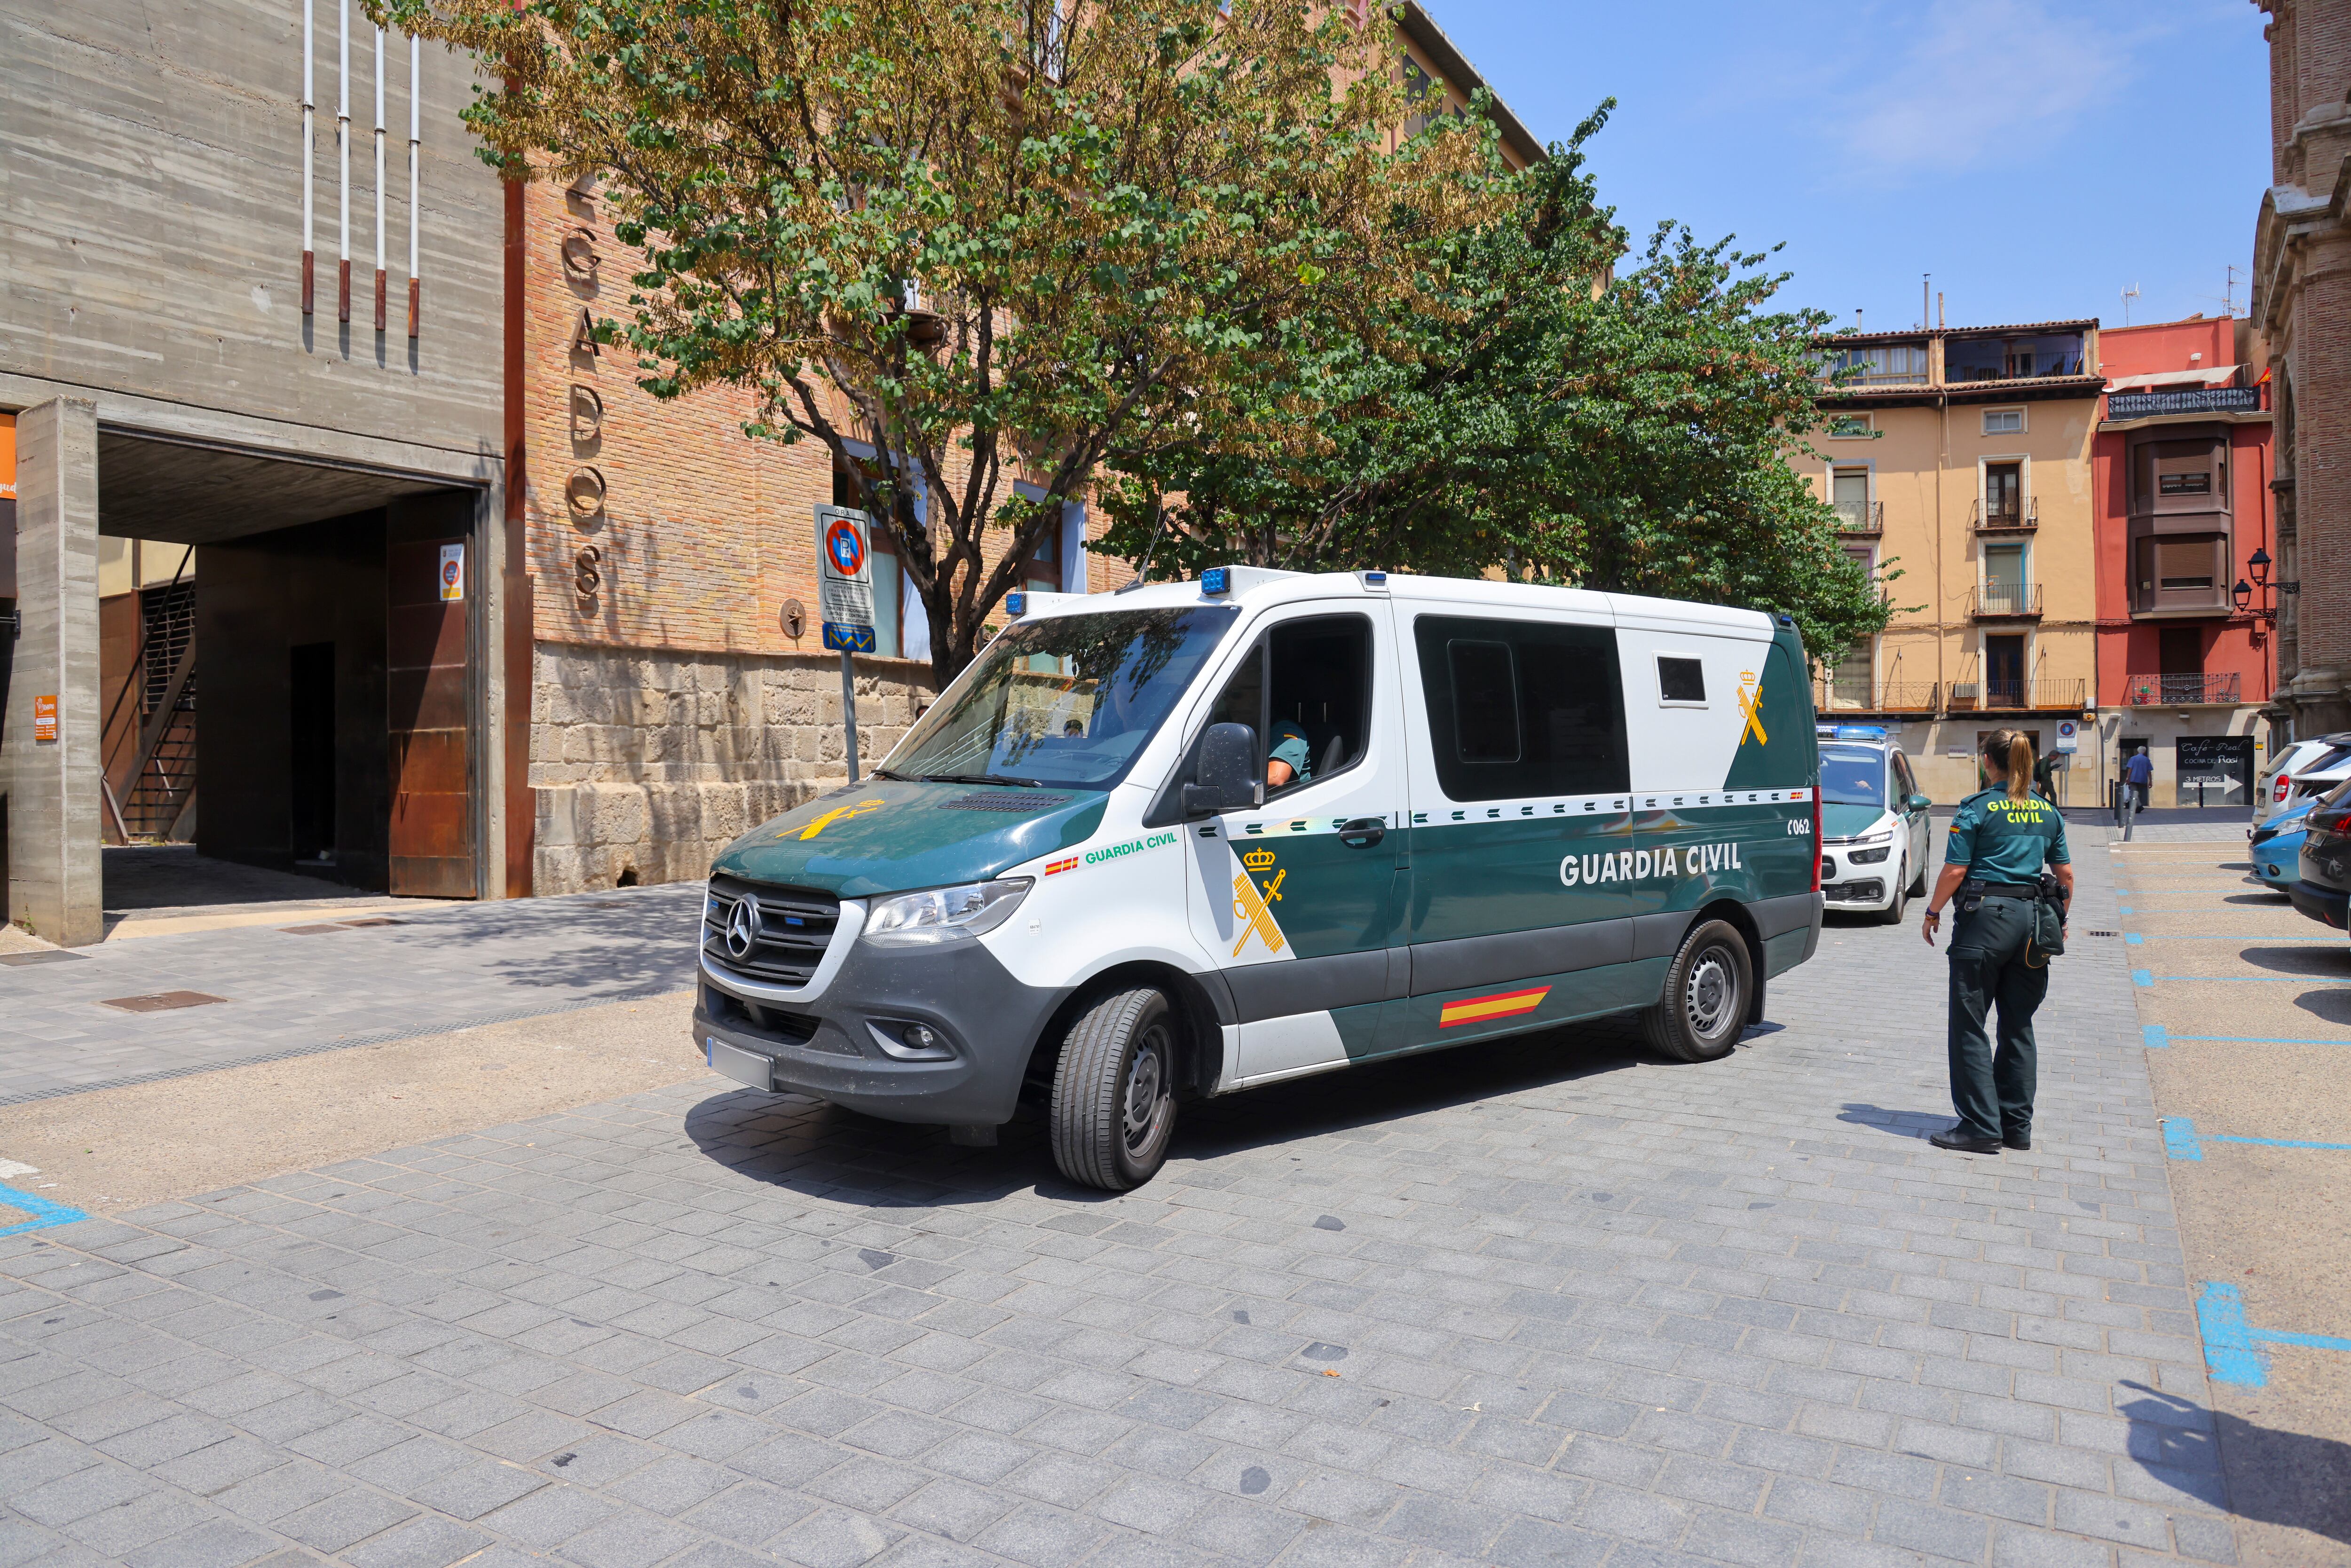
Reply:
x=1535, y=403
x=993, y=239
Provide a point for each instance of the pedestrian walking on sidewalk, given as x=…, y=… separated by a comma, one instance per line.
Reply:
x=2007, y=865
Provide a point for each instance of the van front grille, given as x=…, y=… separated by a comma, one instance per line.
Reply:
x=794, y=927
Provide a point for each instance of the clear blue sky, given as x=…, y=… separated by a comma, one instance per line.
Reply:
x=2036, y=155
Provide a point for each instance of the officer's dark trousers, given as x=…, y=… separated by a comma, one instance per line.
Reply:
x=1992, y=1091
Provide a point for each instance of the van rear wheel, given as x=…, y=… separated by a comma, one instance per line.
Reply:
x=1709, y=985
x=1115, y=1092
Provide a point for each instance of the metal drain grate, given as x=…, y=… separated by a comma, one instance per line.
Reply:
x=2101, y=933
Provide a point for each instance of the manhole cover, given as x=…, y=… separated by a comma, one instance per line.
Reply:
x=162, y=1002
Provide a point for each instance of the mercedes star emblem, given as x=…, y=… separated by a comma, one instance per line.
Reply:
x=743, y=928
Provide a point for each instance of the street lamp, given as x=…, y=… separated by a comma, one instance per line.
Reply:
x=2258, y=564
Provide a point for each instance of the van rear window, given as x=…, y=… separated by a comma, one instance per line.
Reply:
x=1522, y=708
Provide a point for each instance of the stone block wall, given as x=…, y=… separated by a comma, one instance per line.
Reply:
x=644, y=764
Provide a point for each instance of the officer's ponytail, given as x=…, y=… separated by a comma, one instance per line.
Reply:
x=2012, y=749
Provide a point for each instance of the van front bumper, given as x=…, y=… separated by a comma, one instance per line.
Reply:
x=829, y=1046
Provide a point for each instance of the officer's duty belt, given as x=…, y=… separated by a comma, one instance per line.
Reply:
x=2001, y=889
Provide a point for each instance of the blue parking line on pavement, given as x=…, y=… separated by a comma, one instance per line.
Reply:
x=2273, y=941
x=2229, y=1356
x=2153, y=1037
x=2181, y=1141
x=2252, y=1039
x=2241, y=979
x=2133, y=939
x=2141, y=977
x=44, y=1213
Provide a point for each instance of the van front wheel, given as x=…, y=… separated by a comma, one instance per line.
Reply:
x=1708, y=988
x=1115, y=1092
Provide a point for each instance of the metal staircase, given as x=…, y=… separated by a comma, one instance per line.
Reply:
x=158, y=792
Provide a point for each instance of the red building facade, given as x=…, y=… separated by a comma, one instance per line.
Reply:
x=2181, y=469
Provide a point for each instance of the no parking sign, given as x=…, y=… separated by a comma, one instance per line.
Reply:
x=844, y=567
x=2069, y=738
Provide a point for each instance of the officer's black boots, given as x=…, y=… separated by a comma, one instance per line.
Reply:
x=1957, y=1136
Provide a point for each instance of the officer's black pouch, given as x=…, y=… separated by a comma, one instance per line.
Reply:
x=2048, y=939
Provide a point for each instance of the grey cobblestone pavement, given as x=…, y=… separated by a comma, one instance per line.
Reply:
x=1548, y=1304
x=319, y=984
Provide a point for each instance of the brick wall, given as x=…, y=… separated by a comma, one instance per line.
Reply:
x=2303, y=299
x=645, y=763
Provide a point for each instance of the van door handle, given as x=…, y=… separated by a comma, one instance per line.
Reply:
x=1363, y=832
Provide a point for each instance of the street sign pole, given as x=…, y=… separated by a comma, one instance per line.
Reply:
x=844, y=583
x=848, y=712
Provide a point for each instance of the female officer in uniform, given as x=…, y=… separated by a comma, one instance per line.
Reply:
x=2000, y=841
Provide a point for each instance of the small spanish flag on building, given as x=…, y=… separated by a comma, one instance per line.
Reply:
x=1483, y=1009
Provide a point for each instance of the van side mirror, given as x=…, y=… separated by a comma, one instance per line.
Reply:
x=1227, y=774
x=1918, y=803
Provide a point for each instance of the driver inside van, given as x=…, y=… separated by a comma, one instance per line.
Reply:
x=1287, y=760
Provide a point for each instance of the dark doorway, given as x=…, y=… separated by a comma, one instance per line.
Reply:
x=2004, y=671
x=310, y=755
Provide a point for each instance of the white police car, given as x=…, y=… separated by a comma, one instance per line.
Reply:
x=1874, y=823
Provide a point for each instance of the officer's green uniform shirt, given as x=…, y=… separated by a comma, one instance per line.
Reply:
x=1290, y=745
x=2001, y=840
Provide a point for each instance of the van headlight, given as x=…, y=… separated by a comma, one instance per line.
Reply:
x=1882, y=836
x=944, y=914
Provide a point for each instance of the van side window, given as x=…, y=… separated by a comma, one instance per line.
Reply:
x=1903, y=784
x=1321, y=677
x=1680, y=680
x=1485, y=701
x=1522, y=708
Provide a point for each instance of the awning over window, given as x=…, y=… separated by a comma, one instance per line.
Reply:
x=2218, y=376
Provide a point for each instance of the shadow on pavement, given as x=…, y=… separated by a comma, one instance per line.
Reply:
x=2335, y=1007
x=2277, y=1477
x=636, y=941
x=809, y=1147
x=175, y=876
x=1901, y=1124
x=2318, y=963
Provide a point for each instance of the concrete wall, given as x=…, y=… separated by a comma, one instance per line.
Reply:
x=52, y=801
x=151, y=204
x=645, y=764
x=262, y=596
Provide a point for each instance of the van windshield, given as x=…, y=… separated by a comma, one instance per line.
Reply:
x=1850, y=776
x=1070, y=700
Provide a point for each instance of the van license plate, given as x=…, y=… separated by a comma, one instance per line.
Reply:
x=745, y=1067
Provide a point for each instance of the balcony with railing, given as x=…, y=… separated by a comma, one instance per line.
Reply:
x=1861, y=517
x=2005, y=514
x=2183, y=691
x=2005, y=601
x=1842, y=695
x=2017, y=696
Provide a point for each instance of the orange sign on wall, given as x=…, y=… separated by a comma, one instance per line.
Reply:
x=45, y=719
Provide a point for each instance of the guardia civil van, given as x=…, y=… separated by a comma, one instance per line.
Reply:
x=1195, y=837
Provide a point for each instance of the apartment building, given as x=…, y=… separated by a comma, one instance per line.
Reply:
x=1960, y=460
x=2182, y=469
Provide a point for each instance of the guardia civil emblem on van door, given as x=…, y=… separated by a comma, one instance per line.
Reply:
x=1253, y=904
x=743, y=928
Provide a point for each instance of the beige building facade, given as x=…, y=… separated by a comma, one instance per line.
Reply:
x=1960, y=462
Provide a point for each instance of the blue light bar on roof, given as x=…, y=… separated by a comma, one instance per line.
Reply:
x=1861, y=732
x=1015, y=604
x=1216, y=580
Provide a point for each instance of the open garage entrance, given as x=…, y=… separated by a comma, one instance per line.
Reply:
x=280, y=664
x=304, y=690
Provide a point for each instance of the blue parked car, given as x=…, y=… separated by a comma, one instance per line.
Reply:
x=2277, y=848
